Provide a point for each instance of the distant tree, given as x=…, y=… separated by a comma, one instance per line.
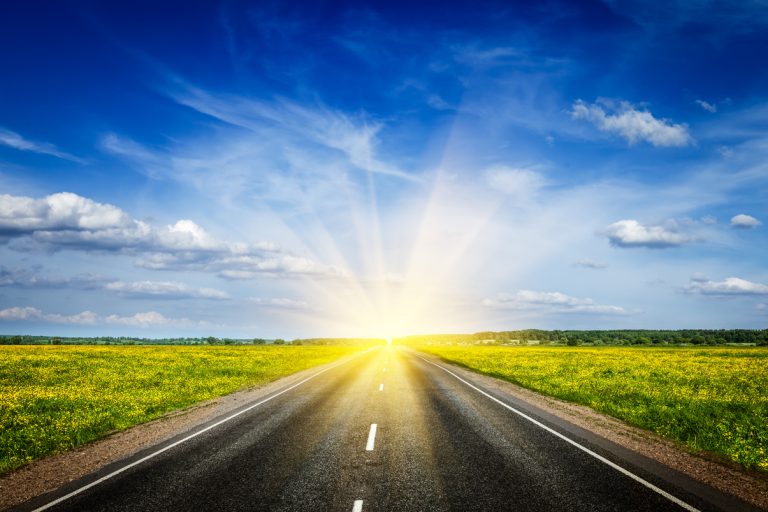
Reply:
x=211, y=340
x=259, y=341
x=55, y=340
x=279, y=341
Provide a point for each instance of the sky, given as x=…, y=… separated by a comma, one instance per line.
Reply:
x=262, y=169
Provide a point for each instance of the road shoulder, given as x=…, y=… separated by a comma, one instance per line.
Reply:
x=53, y=472
x=749, y=486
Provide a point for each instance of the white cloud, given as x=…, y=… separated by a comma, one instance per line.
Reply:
x=145, y=319
x=34, y=314
x=743, y=221
x=728, y=286
x=148, y=319
x=280, y=303
x=68, y=221
x=16, y=141
x=163, y=290
x=554, y=302
x=17, y=313
x=709, y=107
x=84, y=318
x=634, y=125
x=630, y=233
x=58, y=212
x=587, y=263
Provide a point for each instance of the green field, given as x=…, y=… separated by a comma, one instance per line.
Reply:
x=709, y=399
x=53, y=398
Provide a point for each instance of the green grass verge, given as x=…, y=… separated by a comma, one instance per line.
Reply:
x=53, y=399
x=709, y=399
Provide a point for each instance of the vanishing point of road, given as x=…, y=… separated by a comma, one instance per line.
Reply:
x=387, y=430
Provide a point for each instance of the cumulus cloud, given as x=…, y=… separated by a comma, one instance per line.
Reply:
x=16, y=141
x=623, y=119
x=587, y=263
x=727, y=287
x=709, y=107
x=145, y=319
x=743, y=221
x=554, y=302
x=630, y=233
x=19, y=313
x=68, y=221
x=58, y=212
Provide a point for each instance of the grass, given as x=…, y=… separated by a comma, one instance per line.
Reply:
x=53, y=399
x=709, y=399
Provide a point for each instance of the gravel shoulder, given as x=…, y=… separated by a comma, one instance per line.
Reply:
x=51, y=473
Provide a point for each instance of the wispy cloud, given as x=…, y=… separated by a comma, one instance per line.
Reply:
x=353, y=136
x=634, y=125
x=630, y=233
x=163, y=290
x=743, y=221
x=588, y=263
x=144, y=319
x=520, y=184
x=729, y=286
x=280, y=303
x=709, y=107
x=552, y=302
x=16, y=141
x=32, y=279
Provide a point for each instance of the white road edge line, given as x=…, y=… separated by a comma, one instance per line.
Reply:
x=180, y=441
x=371, y=438
x=381, y=387
x=358, y=506
x=599, y=457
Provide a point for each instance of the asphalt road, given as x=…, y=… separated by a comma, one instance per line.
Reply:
x=439, y=443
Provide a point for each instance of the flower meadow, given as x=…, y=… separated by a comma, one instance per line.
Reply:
x=54, y=398
x=712, y=399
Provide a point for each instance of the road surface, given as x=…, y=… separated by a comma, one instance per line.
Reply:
x=386, y=431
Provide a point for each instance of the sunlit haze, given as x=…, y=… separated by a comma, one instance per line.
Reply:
x=255, y=169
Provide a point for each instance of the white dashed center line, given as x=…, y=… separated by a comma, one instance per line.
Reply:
x=381, y=387
x=371, y=439
x=358, y=506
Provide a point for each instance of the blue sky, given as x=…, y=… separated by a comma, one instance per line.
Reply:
x=341, y=169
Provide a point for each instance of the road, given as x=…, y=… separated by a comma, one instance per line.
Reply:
x=386, y=431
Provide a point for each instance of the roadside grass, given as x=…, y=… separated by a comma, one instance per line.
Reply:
x=54, y=398
x=709, y=399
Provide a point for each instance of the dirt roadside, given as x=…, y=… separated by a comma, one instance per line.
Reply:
x=51, y=473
